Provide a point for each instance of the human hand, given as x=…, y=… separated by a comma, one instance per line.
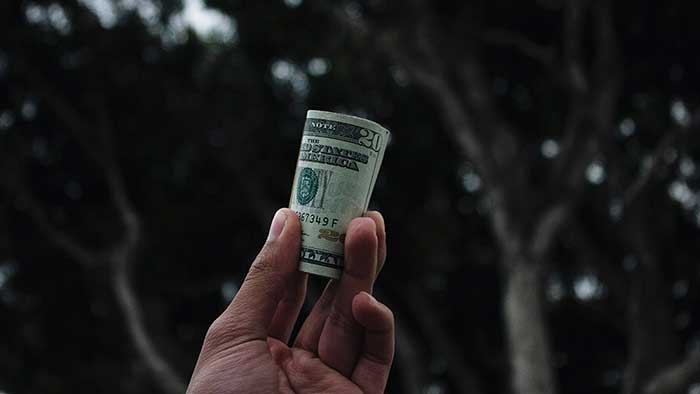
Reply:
x=346, y=344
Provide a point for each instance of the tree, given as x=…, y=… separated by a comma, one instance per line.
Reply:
x=548, y=149
x=444, y=57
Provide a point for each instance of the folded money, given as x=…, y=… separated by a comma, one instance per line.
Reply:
x=338, y=164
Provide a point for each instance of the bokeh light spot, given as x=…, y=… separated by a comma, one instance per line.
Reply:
x=627, y=127
x=595, y=173
x=680, y=113
x=549, y=148
x=293, y=3
x=318, y=66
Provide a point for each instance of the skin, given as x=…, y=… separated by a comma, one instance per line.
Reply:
x=346, y=344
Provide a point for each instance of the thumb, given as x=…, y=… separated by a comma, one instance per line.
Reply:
x=251, y=311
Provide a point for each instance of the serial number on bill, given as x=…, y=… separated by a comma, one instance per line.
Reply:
x=323, y=220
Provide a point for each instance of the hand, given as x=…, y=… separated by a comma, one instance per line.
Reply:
x=346, y=345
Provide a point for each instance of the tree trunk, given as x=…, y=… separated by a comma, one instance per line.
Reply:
x=530, y=352
x=651, y=343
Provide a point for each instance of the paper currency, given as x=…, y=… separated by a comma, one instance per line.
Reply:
x=338, y=164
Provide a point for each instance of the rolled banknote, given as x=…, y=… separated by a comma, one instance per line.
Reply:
x=338, y=164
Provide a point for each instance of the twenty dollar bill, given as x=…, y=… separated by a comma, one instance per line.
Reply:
x=338, y=164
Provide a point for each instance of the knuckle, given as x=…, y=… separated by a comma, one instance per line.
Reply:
x=223, y=334
x=221, y=331
x=217, y=332
x=257, y=270
x=263, y=265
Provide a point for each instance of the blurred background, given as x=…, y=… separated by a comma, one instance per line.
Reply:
x=541, y=189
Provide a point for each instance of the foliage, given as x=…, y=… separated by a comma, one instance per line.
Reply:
x=205, y=129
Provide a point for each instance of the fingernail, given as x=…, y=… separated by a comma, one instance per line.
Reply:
x=277, y=225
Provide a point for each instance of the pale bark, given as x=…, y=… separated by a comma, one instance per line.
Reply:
x=530, y=351
x=675, y=378
x=162, y=373
x=96, y=140
x=541, y=54
x=480, y=131
x=119, y=258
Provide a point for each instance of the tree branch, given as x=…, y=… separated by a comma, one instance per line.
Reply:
x=547, y=228
x=650, y=168
x=115, y=182
x=504, y=143
x=592, y=100
x=575, y=81
x=495, y=135
x=650, y=334
x=121, y=260
x=121, y=255
x=656, y=164
x=425, y=70
x=606, y=68
x=14, y=184
x=163, y=373
x=572, y=43
x=675, y=378
x=460, y=373
x=541, y=54
x=459, y=125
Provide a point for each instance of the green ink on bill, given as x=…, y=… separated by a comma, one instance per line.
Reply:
x=339, y=160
